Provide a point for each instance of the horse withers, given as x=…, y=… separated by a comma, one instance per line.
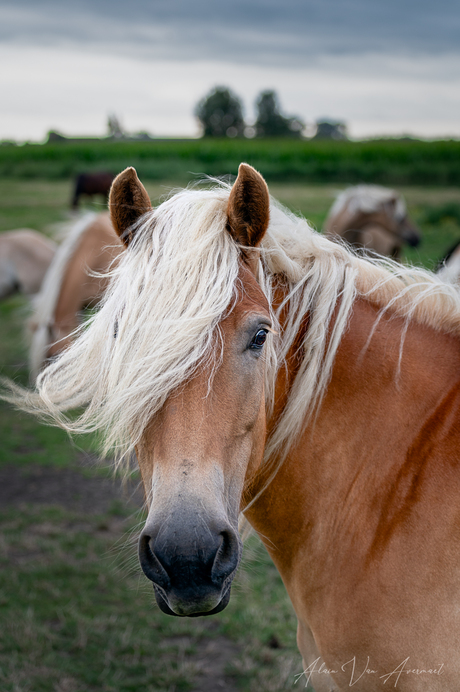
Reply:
x=257, y=367
x=91, y=184
x=25, y=256
x=372, y=218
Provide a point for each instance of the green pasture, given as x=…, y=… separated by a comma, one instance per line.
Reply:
x=436, y=210
x=76, y=614
x=389, y=162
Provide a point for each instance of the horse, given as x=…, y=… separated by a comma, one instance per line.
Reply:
x=374, y=218
x=25, y=256
x=256, y=368
x=448, y=268
x=90, y=184
x=72, y=283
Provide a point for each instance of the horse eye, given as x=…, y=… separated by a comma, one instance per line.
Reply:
x=259, y=339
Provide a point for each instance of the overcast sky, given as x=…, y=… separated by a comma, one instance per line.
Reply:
x=388, y=67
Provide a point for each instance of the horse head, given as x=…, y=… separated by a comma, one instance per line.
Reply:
x=395, y=219
x=372, y=217
x=208, y=437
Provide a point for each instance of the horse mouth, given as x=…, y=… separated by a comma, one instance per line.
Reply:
x=165, y=607
x=411, y=237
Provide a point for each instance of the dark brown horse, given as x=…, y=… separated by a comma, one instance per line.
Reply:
x=90, y=184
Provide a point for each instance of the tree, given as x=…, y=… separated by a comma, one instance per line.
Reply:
x=270, y=122
x=114, y=127
x=330, y=129
x=220, y=114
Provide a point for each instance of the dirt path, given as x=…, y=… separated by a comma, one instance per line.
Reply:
x=69, y=488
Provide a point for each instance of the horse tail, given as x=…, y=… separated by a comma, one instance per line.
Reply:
x=44, y=305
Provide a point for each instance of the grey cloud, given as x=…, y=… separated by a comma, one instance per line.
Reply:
x=260, y=31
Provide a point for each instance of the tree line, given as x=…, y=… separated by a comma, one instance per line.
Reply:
x=220, y=114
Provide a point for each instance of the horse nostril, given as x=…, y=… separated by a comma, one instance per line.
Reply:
x=151, y=565
x=227, y=557
x=178, y=560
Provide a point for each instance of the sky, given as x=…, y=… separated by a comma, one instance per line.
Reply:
x=385, y=68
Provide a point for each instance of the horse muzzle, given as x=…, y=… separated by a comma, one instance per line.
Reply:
x=191, y=565
x=411, y=235
x=192, y=607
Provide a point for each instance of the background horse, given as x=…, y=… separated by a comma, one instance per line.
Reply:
x=255, y=366
x=71, y=285
x=90, y=184
x=374, y=218
x=25, y=256
x=449, y=267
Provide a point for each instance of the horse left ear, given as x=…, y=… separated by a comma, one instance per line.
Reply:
x=248, y=208
x=128, y=201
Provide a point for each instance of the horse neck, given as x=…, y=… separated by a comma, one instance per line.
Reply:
x=371, y=417
x=378, y=239
x=346, y=219
x=379, y=217
x=98, y=246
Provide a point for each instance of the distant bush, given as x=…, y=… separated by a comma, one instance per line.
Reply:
x=388, y=162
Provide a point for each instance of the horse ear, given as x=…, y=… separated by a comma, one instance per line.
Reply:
x=248, y=208
x=128, y=201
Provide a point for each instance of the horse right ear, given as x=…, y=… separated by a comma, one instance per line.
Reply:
x=248, y=209
x=128, y=201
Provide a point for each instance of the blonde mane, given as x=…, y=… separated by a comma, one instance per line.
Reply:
x=367, y=199
x=159, y=318
x=45, y=302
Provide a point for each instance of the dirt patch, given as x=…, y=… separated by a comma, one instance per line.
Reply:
x=67, y=487
x=211, y=662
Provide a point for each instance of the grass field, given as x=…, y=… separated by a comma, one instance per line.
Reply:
x=40, y=203
x=389, y=162
x=76, y=615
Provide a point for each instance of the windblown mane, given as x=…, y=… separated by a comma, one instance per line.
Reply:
x=159, y=318
x=367, y=199
x=45, y=302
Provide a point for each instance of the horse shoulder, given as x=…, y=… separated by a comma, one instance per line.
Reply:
x=374, y=486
